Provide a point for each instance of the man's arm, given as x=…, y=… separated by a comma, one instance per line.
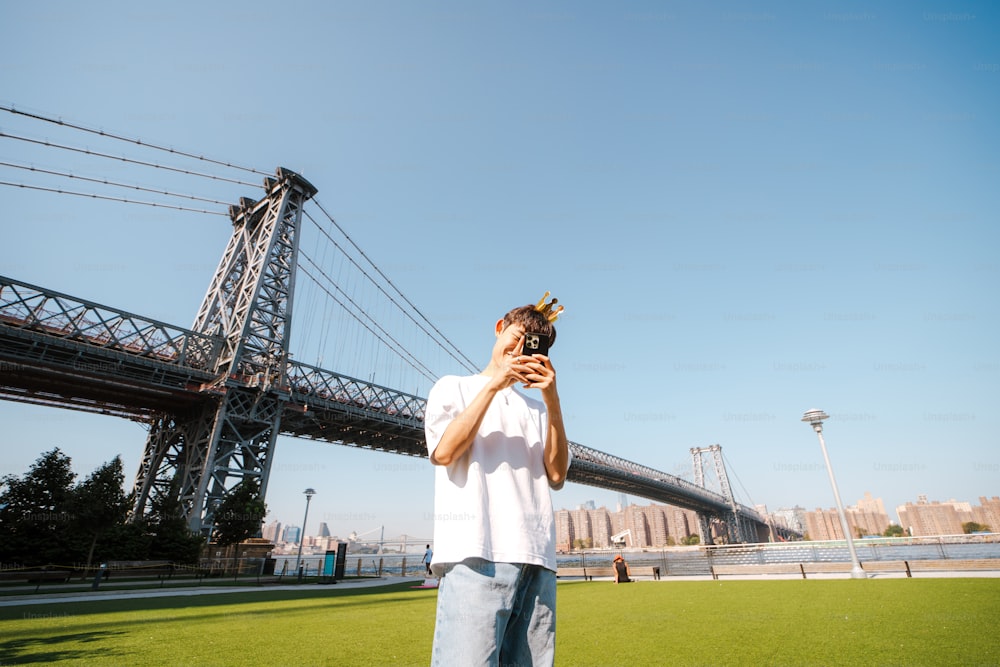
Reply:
x=542, y=375
x=459, y=435
x=461, y=432
x=556, y=444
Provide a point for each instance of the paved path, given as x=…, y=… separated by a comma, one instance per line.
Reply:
x=180, y=591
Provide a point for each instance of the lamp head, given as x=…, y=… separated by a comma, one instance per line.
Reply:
x=815, y=418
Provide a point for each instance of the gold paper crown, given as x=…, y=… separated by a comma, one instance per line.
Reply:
x=547, y=309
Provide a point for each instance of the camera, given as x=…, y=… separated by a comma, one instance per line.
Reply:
x=535, y=343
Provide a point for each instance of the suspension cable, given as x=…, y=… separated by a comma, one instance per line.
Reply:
x=424, y=372
x=360, y=309
x=104, y=181
x=86, y=151
x=138, y=142
x=460, y=358
x=464, y=360
x=731, y=469
x=107, y=198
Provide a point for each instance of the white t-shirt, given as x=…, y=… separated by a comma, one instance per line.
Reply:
x=494, y=502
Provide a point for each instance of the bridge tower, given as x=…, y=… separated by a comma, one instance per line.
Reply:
x=734, y=526
x=230, y=437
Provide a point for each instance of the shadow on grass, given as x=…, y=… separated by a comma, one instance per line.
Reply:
x=47, y=649
x=271, y=605
x=106, y=605
x=32, y=635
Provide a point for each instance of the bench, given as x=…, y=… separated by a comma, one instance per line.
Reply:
x=957, y=565
x=589, y=573
x=35, y=576
x=763, y=568
x=135, y=569
x=644, y=571
x=826, y=568
x=571, y=572
x=801, y=569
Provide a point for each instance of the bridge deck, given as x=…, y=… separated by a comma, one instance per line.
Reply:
x=60, y=351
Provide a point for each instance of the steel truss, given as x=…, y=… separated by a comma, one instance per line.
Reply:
x=61, y=351
x=739, y=526
x=217, y=397
x=31, y=308
x=249, y=307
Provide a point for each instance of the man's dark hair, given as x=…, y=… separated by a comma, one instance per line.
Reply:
x=532, y=321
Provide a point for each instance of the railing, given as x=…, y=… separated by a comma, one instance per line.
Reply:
x=870, y=549
x=309, y=382
x=25, y=306
x=698, y=561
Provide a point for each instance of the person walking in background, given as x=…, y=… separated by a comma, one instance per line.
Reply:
x=428, y=555
x=497, y=454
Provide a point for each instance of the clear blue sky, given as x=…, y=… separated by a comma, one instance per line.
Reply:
x=749, y=210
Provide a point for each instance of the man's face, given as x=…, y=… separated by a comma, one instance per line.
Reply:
x=508, y=339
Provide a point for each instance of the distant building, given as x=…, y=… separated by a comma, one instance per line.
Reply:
x=291, y=534
x=600, y=527
x=988, y=513
x=868, y=517
x=324, y=530
x=584, y=536
x=793, y=518
x=923, y=518
x=272, y=531
x=565, y=533
x=649, y=526
x=823, y=525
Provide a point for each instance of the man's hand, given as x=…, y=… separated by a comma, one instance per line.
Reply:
x=539, y=374
x=509, y=370
x=537, y=371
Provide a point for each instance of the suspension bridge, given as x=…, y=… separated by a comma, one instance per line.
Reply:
x=217, y=395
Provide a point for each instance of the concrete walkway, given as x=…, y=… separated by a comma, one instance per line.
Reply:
x=182, y=591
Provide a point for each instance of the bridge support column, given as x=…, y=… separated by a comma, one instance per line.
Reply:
x=705, y=527
x=249, y=307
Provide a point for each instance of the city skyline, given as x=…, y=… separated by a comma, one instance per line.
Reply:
x=866, y=505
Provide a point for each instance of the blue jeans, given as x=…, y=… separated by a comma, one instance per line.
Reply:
x=495, y=614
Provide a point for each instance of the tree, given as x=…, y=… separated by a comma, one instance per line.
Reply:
x=973, y=527
x=36, y=513
x=100, y=504
x=894, y=530
x=172, y=539
x=240, y=514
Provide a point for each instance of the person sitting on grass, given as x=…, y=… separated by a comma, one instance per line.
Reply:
x=621, y=570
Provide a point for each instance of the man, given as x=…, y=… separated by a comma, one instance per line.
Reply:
x=498, y=453
x=428, y=555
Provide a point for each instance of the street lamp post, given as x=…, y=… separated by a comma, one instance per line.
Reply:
x=302, y=535
x=815, y=419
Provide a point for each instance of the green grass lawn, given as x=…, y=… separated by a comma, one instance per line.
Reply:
x=788, y=622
